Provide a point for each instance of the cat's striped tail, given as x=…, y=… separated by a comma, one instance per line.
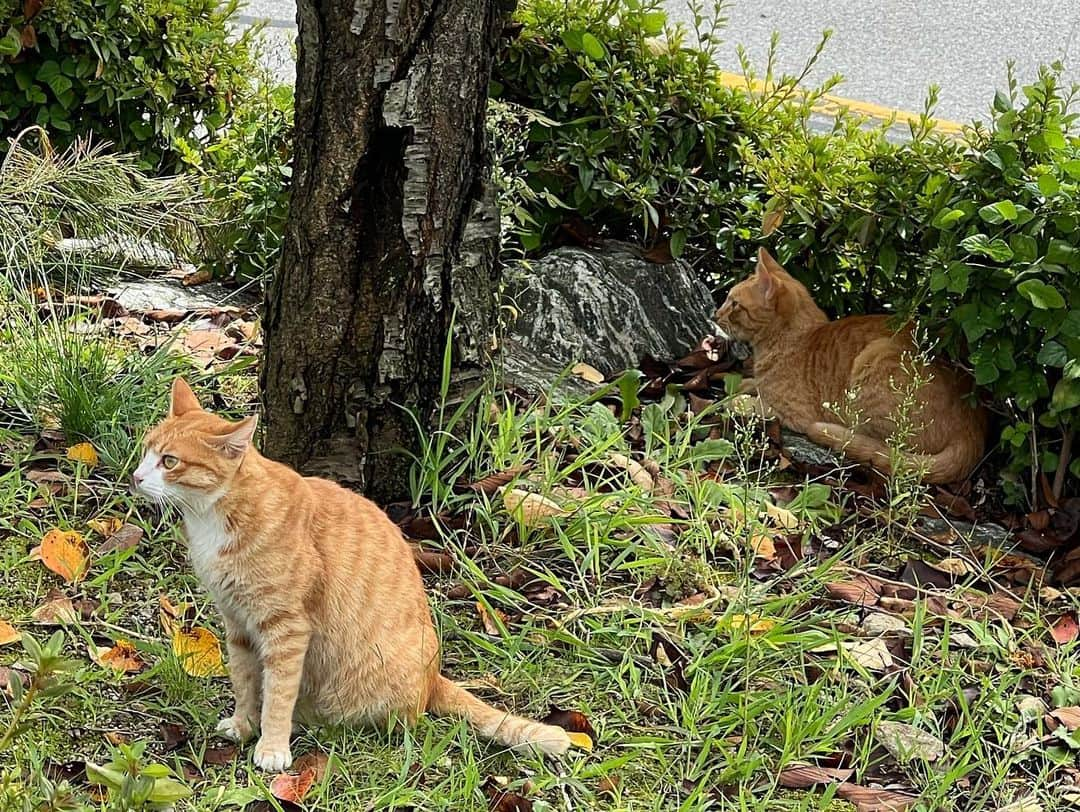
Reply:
x=952, y=464
x=450, y=699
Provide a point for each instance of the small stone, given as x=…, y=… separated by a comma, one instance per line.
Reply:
x=878, y=623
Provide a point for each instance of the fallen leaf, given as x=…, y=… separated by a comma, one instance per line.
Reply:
x=1065, y=629
x=8, y=676
x=122, y=656
x=57, y=610
x=588, y=373
x=906, y=743
x=199, y=277
x=31, y=8
x=492, y=482
x=501, y=799
x=292, y=788
x=218, y=755
x=84, y=453
x=173, y=735
x=316, y=761
x=872, y=655
x=199, y=651
x=856, y=592
x=115, y=738
x=490, y=625
x=876, y=624
x=127, y=537
x=106, y=525
x=1023, y=805
x=802, y=776
x=8, y=634
x=581, y=740
x=763, y=546
x=608, y=786
x=748, y=623
x=638, y=475
x=65, y=553
x=781, y=517
x=570, y=721
x=1070, y=717
x=206, y=345
x=868, y=799
x=531, y=509
x=28, y=37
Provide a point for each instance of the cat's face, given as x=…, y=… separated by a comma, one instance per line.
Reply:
x=191, y=456
x=753, y=304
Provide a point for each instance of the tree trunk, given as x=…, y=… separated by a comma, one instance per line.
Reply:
x=392, y=232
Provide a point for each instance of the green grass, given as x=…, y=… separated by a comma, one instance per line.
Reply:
x=709, y=723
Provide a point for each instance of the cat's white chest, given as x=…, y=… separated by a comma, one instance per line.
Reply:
x=206, y=538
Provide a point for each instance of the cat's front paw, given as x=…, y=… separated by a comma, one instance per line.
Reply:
x=272, y=757
x=235, y=728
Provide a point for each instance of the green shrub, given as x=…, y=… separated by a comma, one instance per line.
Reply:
x=643, y=145
x=246, y=170
x=138, y=73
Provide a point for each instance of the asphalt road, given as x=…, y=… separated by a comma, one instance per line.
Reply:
x=889, y=51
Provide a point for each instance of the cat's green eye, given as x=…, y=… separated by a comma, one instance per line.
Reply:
x=169, y=461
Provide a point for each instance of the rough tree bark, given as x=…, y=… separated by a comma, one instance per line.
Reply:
x=392, y=230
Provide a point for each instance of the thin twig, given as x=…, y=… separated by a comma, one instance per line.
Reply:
x=1063, y=463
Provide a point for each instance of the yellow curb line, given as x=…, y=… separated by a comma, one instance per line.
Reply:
x=831, y=105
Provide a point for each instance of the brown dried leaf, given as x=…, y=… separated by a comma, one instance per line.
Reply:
x=802, y=776
x=173, y=735
x=199, y=277
x=1065, y=629
x=292, y=788
x=1070, y=717
x=570, y=721
x=867, y=799
x=57, y=610
x=218, y=755
x=490, y=625
x=859, y=592
x=492, y=482
x=501, y=799
x=316, y=761
x=105, y=525
x=635, y=470
x=127, y=537
x=30, y=8
x=28, y=37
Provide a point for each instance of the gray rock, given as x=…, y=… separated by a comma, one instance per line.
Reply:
x=989, y=533
x=606, y=308
x=799, y=449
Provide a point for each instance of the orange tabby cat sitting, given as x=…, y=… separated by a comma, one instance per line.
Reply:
x=325, y=613
x=803, y=361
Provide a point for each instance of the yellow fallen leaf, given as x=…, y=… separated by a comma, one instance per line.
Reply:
x=781, y=517
x=106, y=525
x=8, y=633
x=65, y=553
x=751, y=623
x=198, y=651
x=170, y=615
x=582, y=740
x=588, y=373
x=84, y=453
x=121, y=657
x=529, y=508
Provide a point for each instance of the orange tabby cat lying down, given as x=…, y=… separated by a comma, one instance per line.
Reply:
x=325, y=613
x=803, y=361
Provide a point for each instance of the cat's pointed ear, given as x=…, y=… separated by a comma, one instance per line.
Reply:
x=237, y=441
x=766, y=274
x=182, y=400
